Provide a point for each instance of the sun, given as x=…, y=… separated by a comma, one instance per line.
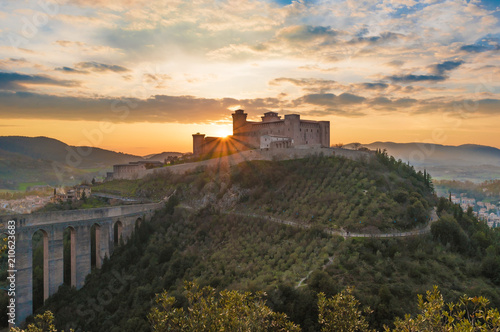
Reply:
x=224, y=133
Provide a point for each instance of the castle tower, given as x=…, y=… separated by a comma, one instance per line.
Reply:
x=198, y=142
x=239, y=121
x=325, y=133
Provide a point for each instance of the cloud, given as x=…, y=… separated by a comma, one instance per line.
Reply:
x=329, y=99
x=190, y=109
x=301, y=33
x=71, y=70
x=441, y=68
x=487, y=43
x=69, y=43
x=101, y=67
x=13, y=62
x=438, y=73
x=323, y=85
x=382, y=38
x=308, y=84
x=395, y=63
x=84, y=48
x=155, y=80
x=156, y=109
x=381, y=101
x=374, y=86
x=17, y=81
x=416, y=78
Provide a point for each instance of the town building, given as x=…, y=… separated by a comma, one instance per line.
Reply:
x=74, y=194
x=131, y=170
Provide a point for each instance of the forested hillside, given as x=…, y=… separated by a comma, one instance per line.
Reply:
x=197, y=237
x=378, y=193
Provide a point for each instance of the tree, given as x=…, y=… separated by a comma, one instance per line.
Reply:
x=43, y=323
x=447, y=230
x=3, y=244
x=468, y=314
x=341, y=313
x=230, y=311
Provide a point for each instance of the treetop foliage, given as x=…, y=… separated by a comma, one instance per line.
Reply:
x=230, y=311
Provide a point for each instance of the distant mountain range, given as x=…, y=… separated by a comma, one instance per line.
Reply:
x=162, y=156
x=43, y=160
x=464, y=162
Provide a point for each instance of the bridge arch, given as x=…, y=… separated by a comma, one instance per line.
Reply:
x=117, y=232
x=69, y=256
x=40, y=238
x=138, y=222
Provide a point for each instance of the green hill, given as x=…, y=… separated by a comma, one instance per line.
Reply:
x=205, y=234
x=48, y=161
x=18, y=170
x=50, y=149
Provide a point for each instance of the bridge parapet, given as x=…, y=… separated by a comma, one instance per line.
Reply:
x=57, y=217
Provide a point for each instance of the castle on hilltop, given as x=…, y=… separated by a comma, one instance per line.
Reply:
x=271, y=133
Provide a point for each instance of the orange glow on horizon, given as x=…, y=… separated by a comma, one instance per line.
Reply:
x=148, y=138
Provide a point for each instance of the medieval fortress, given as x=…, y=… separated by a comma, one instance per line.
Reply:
x=271, y=133
x=271, y=138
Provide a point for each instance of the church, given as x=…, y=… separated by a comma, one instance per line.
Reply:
x=271, y=133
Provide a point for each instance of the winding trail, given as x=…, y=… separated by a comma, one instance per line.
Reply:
x=420, y=231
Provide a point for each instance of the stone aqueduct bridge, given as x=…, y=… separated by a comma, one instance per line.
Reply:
x=111, y=223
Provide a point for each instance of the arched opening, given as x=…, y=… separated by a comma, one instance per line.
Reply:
x=117, y=232
x=95, y=246
x=40, y=252
x=69, y=257
x=138, y=223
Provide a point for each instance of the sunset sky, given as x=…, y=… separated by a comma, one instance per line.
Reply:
x=141, y=76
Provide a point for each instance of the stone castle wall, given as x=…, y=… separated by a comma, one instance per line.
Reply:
x=249, y=155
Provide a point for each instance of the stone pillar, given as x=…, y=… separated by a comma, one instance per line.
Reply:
x=55, y=261
x=103, y=246
x=24, y=276
x=98, y=240
x=82, y=246
x=45, y=265
x=73, y=256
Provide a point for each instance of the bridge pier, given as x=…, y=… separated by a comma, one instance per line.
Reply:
x=55, y=270
x=82, y=254
x=24, y=276
x=104, y=234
